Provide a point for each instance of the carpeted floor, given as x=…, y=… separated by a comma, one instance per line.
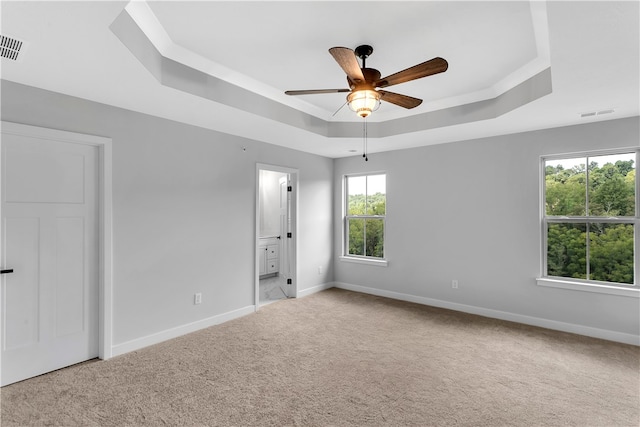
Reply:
x=339, y=358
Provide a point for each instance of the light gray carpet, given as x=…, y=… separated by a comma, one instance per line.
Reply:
x=340, y=358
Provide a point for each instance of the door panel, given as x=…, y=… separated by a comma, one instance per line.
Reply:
x=23, y=236
x=69, y=292
x=43, y=176
x=50, y=240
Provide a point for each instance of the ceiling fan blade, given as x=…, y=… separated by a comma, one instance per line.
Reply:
x=347, y=60
x=315, y=91
x=400, y=100
x=428, y=68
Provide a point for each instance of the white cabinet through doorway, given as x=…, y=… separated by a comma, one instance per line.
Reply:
x=269, y=256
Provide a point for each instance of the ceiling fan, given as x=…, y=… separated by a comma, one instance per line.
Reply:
x=364, y=95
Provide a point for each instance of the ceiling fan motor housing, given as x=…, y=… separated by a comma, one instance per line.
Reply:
x=371, y=75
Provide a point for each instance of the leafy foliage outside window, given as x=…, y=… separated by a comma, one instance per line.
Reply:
x=590, y=215
x=365, y=217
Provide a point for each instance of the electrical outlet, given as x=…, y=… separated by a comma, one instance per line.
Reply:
x=197, y=298
x=320, y=269
x=454, y=284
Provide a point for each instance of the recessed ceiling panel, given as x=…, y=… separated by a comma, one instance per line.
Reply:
x=285, y=44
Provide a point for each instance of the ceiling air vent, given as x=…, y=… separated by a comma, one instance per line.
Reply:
x=10, y=47
x=597, y=113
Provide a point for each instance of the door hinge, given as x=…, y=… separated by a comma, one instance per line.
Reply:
x=289, y=235
x=289, y=282
x=289, y=188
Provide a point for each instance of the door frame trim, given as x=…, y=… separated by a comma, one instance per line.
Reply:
x=295, y=180
x=105, y=219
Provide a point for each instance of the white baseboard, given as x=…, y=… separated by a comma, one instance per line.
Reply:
x=314, y=289
x=159, y=337
x=497, y=314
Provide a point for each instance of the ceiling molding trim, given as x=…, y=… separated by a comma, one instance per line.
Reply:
x=131, y=30
x=177, y=75
x=541, y=61
x=144, y=17
x=528, y=91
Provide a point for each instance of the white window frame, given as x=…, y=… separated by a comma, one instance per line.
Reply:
x=585, y=285
x=361, y=259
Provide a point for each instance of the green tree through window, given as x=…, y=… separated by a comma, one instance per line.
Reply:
x=590, y=215
x=365, y=217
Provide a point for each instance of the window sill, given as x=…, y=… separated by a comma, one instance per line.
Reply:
x=588, y=287
x=368, y=261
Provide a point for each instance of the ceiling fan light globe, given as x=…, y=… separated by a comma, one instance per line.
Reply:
x=364, y=102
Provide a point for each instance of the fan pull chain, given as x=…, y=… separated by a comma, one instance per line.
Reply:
x=364, y=143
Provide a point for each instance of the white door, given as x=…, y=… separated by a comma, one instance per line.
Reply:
x=284, y=227
x=50, y=240
x=286, y=243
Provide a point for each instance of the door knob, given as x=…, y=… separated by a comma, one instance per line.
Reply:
x=8, y=270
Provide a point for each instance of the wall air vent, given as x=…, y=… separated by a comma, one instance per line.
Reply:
x=10, y=48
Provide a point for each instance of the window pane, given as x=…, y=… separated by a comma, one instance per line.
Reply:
x=567, y=250
x=366, y=198
x=611, y=252
x=565, y=187
x=355, y=236
x=612, y=185
x=375, y=238
x=356, y=188
x=376, y=194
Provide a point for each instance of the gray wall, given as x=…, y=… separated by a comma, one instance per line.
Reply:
x=470, y=211
x=184, y=210
x=184, y=206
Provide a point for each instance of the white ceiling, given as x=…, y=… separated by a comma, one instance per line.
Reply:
x=591, y=48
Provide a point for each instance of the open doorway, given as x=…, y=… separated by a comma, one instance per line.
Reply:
x=275, y=234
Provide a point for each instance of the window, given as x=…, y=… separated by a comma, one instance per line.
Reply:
x=590, y=218
x=364, y=221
